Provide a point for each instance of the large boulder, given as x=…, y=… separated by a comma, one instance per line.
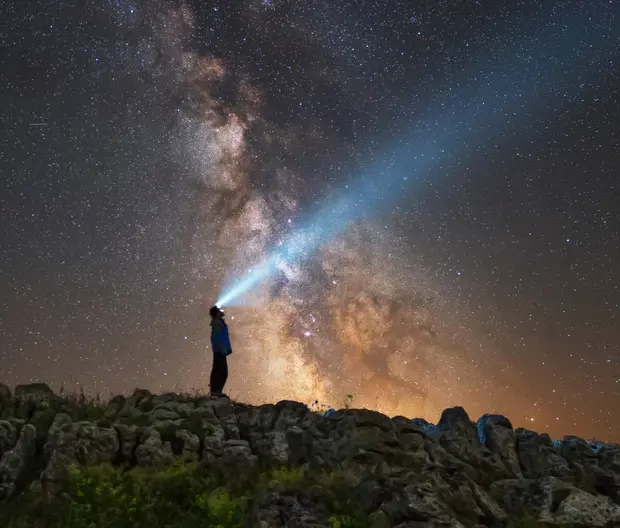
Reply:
x=152, y=452
x=496, y=433
x=114, y=406
x=279, y=510
x=42, y=420
x=161, y=413
x=458, y=434
x=128, y=437
x=70, y=444
x=419, y=502
x=590, y=471
x=189, y=445
x=6, y=402
x=237, y=457
x=580, y=508
x=538, y=457
x=608, y=457
x=267, y=430
x=555, y=502
x=31, y=397
x=16, y=461
x=8, y=436
x=140, y=399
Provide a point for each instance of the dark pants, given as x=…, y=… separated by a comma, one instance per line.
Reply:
x=219, y=373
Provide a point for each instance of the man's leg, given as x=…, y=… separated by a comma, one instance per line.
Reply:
x=224, y=375
x=216, y=374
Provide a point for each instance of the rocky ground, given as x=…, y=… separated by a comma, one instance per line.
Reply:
x=190, y=460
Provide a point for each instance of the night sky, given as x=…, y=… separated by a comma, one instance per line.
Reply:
x=152, y=151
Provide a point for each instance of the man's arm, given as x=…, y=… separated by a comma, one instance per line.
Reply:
x=220, y=338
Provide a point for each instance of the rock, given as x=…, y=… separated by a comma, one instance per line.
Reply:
x=273, y=448
x=17, y=460
x=452, y=418
x=491, y=511
x=6, y=402
x=60, y=434
x=220, y=407
x=420, y=503
x=426, y=427
x=519, y=497
x=496, y=433
x=189, y=445
x=491, y=420
x=405, y=425
x=538, y=457
x=8, y=436
x=462, y=450
x=367, y=418
x=580, y=508
x=95, y=445
x=608, y=457
x=287, y=511
x=129, y=436
x=457, y=422
x=379, y=519
x=453, y=523
x=237, y=457
x=583, y=460
x=152, y=452
x=299, y=442
x=32, y=396
x=70, y=444
x=395, y=471
x=172, y=406
x=288, y=414
x=553, y=501
x=162, y=414
x=140, y=398
x=457, y=434
x=162, y=399
x=5, y=393
x=42, y=421
x=115, y=405
x=214, y=443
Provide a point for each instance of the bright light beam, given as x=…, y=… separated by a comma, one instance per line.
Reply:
x=517, y=87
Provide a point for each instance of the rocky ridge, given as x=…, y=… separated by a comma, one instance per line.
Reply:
x=408, y=473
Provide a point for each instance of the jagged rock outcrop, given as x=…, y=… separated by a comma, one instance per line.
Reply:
x=15, y=462
x=405, y=472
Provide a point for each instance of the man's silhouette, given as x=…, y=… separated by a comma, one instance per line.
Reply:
x=220, y=343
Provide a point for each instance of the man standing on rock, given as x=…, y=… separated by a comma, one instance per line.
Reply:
x=220, y=343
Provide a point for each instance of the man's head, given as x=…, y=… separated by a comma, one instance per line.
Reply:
x=216, y=312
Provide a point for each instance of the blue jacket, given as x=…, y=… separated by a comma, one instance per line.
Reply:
x=220, y=340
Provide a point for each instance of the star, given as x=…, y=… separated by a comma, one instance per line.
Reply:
x=417, y=207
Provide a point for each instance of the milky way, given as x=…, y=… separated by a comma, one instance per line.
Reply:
x=152, y=152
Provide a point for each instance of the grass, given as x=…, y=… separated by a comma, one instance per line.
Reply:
x=323, y=408
x=183, y=495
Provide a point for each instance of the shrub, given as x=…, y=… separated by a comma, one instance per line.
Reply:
x=108, y=496
x=183, y=495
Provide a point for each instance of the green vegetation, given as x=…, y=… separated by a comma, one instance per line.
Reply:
x=81, y=407
x=183, y=495
x=326, y=409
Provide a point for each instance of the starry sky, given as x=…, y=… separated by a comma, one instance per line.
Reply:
x=153, y=151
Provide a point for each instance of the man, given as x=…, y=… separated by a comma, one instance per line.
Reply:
x=220, y=343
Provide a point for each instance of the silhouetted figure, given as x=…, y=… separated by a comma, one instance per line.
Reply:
x=220, y=343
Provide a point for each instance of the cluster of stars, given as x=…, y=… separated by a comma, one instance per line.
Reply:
x=150, y=152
